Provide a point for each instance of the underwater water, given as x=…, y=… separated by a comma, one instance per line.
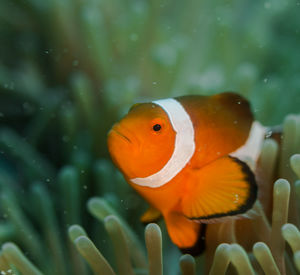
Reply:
x=69, y=69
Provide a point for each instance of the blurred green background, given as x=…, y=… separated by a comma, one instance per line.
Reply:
x=69, y=69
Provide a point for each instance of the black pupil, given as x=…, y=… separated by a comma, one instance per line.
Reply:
x=156, y=127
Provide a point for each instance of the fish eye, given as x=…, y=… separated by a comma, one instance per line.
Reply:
x=156, y=127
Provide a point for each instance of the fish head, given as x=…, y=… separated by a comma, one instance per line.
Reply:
x=142, y=142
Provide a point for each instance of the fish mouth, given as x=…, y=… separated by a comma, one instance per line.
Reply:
x=121, y=135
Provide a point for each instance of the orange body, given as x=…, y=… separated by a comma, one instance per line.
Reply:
x=211, y=185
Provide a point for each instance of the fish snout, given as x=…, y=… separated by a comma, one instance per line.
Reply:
x=117, y=131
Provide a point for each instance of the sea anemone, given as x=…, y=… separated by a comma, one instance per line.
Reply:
x=70, y=69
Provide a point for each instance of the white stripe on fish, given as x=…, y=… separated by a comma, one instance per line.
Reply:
x=184, y=144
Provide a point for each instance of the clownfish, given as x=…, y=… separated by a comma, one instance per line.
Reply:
x=187, y=156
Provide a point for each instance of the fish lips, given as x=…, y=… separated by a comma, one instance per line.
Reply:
x=119, y=134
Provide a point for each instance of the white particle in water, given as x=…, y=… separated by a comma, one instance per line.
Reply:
x=267, y=5
x=133, y=37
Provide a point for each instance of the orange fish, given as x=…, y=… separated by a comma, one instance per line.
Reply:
x=186, y=156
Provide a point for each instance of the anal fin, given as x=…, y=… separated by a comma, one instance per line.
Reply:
x=188, y=235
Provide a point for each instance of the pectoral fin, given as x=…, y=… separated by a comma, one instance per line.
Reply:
x=225, y=187
x=151, y=215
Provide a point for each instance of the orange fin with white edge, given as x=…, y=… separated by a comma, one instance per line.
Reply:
x=187, y=234
x=151, y=215
x=226, y=187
